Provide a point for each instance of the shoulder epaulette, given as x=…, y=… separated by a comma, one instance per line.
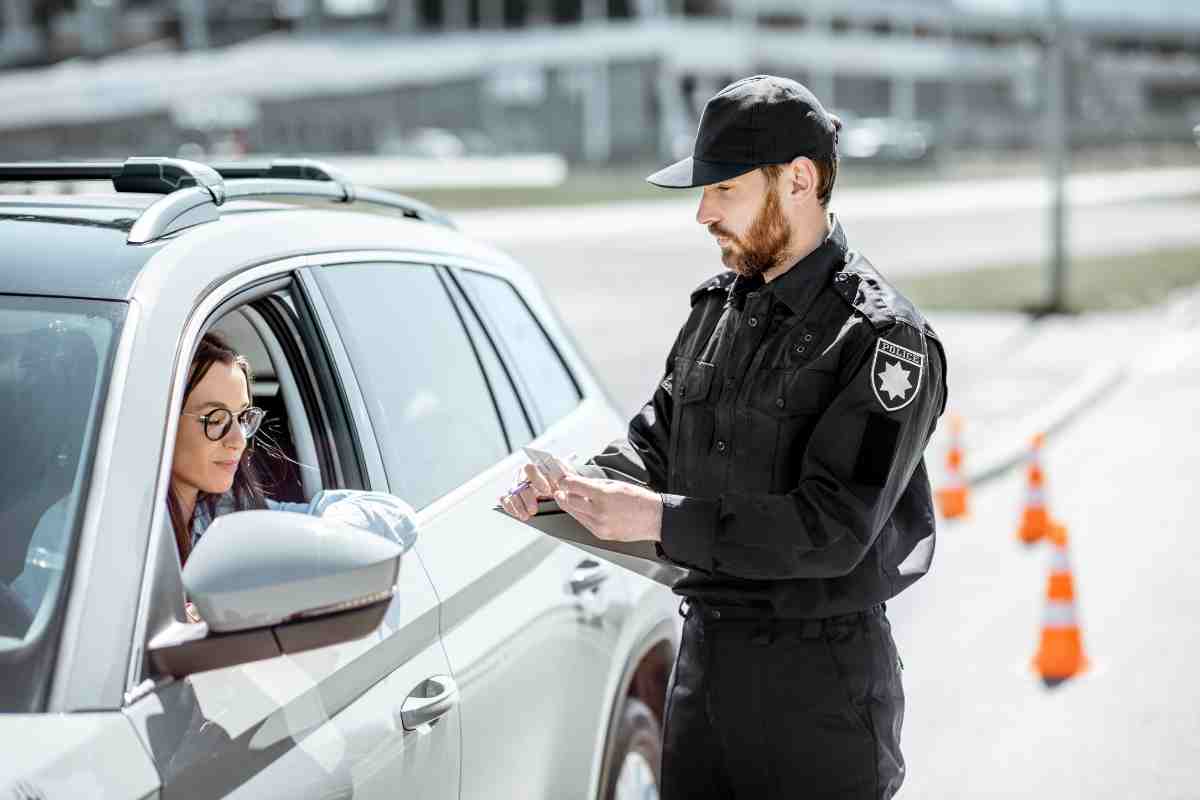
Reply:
x=866, y=291
x=718, y=282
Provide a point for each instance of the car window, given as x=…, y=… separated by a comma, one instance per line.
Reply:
x=544, y=378
x=517, y=424
x=54, y=359
x=430, y=406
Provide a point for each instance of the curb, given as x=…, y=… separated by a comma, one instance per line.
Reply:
x=1047, y=420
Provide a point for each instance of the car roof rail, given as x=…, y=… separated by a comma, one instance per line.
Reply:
x=149, y=175
x=194, y=191
x=277, y=176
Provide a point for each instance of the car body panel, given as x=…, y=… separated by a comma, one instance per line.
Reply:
x=63, y=249
x=54, y=756
x=326, y=721
x=520, y=643
x=531, y=658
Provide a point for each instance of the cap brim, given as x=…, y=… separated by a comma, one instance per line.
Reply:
x=692, y=172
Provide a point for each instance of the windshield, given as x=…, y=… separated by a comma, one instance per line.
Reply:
x=54, y=356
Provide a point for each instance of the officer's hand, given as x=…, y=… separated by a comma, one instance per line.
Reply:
x=522, y=502
x=612, y=510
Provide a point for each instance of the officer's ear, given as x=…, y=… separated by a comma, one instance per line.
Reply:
x=802, y=177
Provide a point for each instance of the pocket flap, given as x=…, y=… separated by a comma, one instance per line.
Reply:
x=694, y=378
x=791, y=392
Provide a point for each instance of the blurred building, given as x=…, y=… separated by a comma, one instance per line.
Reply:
x=596, y=80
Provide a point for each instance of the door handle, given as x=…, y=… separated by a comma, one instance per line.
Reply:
x=432, y=699
x=588, y=575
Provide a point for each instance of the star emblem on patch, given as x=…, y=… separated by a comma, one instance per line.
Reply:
x=896, y=374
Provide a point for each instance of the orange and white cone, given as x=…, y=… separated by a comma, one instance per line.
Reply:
x=953, y=497
x=1060, y=652
x=1035, y=518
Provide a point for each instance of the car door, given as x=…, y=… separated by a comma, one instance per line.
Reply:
x=529, y=624
x=327, y=722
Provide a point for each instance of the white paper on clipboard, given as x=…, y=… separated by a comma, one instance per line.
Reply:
x=639, y=557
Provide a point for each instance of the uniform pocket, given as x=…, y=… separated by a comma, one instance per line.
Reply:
x=694, y=421
x=785, y=393
x=787, y=403
x=693, y=379
x=852, y=663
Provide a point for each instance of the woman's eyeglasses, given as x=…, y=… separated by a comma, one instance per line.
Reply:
x=219, y=421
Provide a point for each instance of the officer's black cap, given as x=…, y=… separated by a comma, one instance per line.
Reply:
x=753, y=122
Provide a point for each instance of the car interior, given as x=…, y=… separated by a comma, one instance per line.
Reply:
x=287, y=455
x=47, y=376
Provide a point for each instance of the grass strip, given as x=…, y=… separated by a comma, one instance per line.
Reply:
x=1093, y=284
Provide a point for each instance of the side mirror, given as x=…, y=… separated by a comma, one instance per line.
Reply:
x=273, y=582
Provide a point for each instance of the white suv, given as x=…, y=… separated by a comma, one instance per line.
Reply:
x=392, y=354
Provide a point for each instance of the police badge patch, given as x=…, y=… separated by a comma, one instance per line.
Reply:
x=895, y=374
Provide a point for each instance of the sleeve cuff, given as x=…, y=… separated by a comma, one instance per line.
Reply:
x=688, y=527
x=592, y=470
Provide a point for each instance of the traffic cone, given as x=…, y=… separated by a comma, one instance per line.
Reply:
x=1035, y=519
x=1060, y=652
x=952, y=498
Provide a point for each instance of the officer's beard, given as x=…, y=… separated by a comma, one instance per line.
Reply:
x=764, y=244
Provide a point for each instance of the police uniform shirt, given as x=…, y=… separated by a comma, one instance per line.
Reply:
x=787, y=437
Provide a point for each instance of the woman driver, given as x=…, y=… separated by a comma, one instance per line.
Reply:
x=213, y=473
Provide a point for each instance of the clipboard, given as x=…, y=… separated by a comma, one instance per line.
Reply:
x=639, y=557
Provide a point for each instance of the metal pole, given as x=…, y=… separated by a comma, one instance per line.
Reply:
x=402, y=16
x=537, y=12
x=313, y=16
x=597, y=101
x=491, y=14
x=194, y=24
x=1057, y=135
x=93, y=33
x=19, y=37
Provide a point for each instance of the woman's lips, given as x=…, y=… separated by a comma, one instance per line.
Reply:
x=228, y=466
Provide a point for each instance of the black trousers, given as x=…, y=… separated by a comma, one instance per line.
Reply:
x=761, y=708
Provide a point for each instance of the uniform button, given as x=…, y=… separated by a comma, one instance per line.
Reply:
x=752, y=322
x=808, y=337
x=720, y=445
x=716, y=613
x=841, y=276
x=800, y=348
x=779, y=402
x=729, y=383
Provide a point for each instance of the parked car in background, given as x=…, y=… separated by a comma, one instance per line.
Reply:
x=885, y=140
x=437, y=143
x=391, y=353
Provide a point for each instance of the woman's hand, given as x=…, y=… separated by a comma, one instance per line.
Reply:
x=193, y=614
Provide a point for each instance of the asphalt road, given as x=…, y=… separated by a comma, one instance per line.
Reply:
x=1122, y=477
x=620, y=274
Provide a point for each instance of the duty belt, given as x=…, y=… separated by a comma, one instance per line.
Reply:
x=811, y=628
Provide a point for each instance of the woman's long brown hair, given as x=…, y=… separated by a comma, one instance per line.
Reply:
x=247, y=489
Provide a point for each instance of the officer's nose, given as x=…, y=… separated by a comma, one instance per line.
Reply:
x=707, y=214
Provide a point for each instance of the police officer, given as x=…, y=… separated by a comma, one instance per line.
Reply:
x=780, y=459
